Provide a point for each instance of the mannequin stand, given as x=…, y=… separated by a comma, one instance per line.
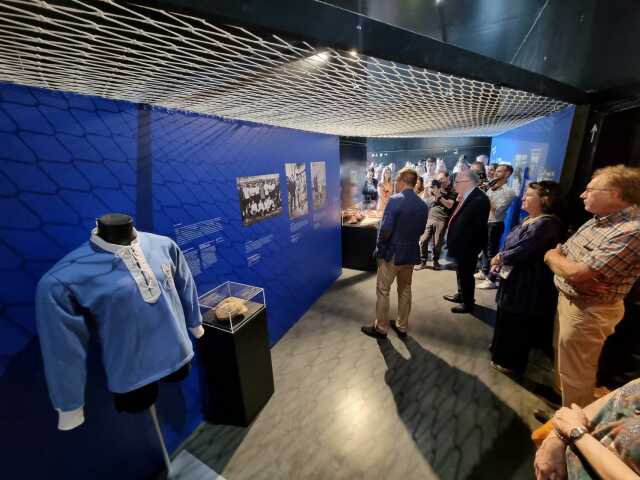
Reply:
x=156, y=424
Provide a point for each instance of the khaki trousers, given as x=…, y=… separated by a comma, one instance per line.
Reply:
x=581, y=330
x=387, y=273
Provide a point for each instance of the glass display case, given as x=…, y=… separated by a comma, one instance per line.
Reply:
x=231, y=305
x=358, y=209
x=358, y=217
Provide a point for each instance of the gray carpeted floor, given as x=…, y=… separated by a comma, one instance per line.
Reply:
x=349, y=407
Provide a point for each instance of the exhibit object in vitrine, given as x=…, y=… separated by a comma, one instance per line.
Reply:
x=297, y=189
x=230, y=305
x=259, y=197
x=119, y=285
x=237, y=376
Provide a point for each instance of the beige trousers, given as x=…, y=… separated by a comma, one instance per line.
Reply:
x=581, y=330
x=387, y=273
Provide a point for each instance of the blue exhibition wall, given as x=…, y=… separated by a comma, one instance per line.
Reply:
x=66, y=159
x=536, y=151
x=539, y=147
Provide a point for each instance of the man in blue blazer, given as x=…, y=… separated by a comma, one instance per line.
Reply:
x=397, y=251
x=467, y=237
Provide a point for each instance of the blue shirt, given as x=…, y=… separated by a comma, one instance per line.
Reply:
x=404, y=218
x=141, y=297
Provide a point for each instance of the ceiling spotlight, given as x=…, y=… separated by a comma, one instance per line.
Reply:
x=319, y=57
x=353, y=53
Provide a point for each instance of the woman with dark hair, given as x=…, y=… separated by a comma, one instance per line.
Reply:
x=527, y=297
x=419, y=188
x=370, y=190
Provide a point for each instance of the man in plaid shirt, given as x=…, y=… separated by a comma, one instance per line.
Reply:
x=594, y=270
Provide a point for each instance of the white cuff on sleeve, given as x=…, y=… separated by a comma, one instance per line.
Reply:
x=70, y=420
x=197, y=331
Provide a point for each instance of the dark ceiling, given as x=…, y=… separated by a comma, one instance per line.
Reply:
x=588, y=44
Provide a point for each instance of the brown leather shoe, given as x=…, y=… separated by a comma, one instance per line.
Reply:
x=400, y=333
x=372, y=331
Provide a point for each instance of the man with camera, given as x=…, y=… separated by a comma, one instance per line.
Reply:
x=442, y=199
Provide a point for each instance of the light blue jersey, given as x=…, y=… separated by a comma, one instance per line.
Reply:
x=142, y=298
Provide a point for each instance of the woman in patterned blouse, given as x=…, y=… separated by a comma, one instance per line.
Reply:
x=601, y=441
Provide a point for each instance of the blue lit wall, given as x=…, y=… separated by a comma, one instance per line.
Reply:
x=67, y=159
x=536, y=151
x=539, y=146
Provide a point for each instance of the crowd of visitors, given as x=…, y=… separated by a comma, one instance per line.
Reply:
x=562, y=296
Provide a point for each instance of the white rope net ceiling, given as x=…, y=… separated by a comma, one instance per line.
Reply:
x=172, y=60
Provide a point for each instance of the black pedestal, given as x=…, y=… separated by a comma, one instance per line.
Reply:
x=237, y=377
x=358, y=244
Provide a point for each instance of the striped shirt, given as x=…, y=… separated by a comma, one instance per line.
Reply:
x=610, y=246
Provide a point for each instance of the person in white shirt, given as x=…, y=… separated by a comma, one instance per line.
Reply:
x=430, y=171
x=500, y=195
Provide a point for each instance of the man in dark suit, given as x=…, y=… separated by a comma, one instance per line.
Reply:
x=467, y=237
x=397, y=251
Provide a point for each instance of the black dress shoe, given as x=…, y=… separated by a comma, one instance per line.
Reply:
x=436, y=265
x=542, y=415
x=372, y=331
x=457, y=298
x=462, y=309
x=400, y=333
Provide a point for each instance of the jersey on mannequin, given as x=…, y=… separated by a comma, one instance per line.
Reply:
x=139, y=292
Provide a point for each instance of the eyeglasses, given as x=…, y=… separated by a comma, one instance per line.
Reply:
x=461, y=181
x=591, y=189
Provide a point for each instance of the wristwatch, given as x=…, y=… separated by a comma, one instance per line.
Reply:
x=576, y=433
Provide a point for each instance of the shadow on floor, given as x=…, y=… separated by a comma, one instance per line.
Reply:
x=463, y=430
x=350, y=281
x=485, y=315
x=214, y=445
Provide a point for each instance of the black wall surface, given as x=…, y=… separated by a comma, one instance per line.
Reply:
x=585, y=43
x=402, y=150
x=616, y=141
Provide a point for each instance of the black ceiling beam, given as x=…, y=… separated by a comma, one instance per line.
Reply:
x=616, y=99
x=325, y=25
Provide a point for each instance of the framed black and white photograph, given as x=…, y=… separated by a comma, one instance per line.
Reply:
x=259, y=197
x=297, y=189
x=318, y=184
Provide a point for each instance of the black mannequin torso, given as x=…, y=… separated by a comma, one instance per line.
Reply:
x=117, y=228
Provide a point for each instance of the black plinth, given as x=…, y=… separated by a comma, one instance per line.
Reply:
x=358, y=244
x=237, y=377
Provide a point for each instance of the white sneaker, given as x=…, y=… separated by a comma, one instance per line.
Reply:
x=486, y=285
x=480, y=276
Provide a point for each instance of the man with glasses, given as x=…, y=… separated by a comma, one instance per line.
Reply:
x=467, y=237
x=594, y=270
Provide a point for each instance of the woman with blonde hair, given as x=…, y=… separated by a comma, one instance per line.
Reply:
x=385, y=188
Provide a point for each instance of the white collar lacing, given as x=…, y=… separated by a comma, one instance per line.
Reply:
x=133, y=257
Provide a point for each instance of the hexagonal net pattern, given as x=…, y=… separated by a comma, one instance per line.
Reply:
x=177, y=61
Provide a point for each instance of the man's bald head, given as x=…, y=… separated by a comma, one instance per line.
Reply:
x=466, y=180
